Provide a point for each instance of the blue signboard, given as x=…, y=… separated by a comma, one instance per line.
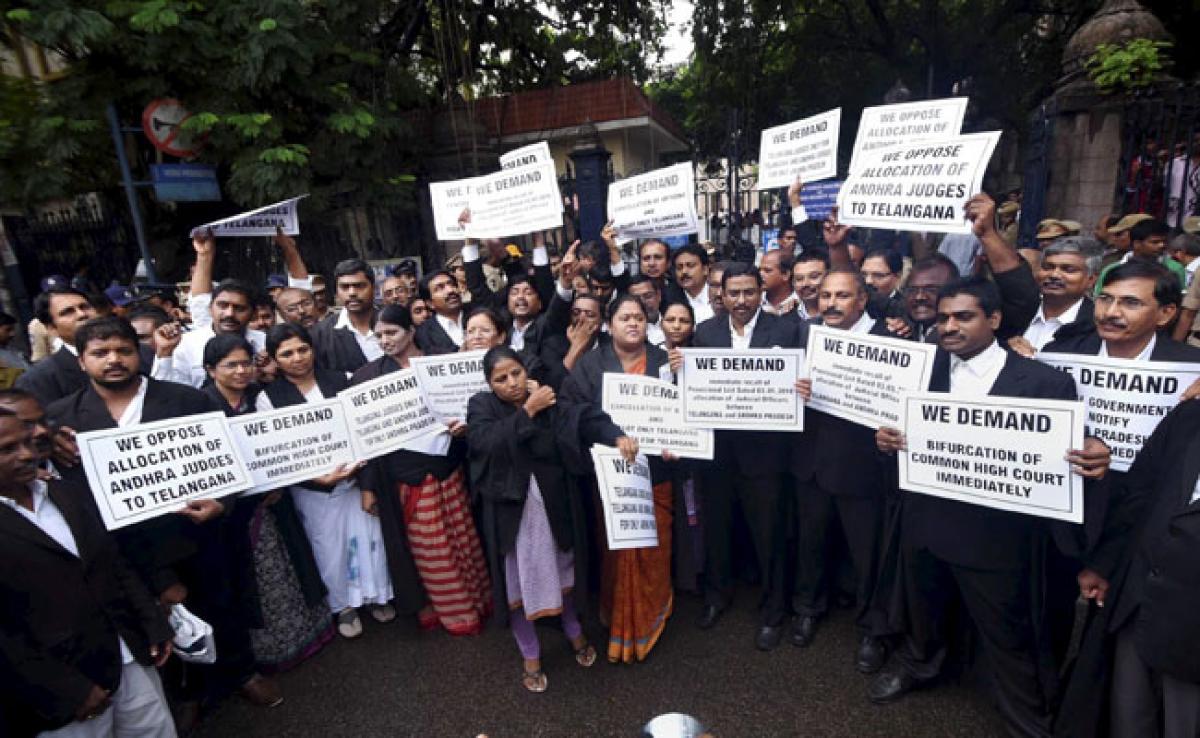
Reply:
x=820, y=197
x=185, y=182
x=675, y=242
x=770, y=239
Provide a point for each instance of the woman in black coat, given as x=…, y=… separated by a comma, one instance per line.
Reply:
x=520, y=446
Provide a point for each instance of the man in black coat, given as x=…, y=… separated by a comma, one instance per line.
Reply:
x=63, y=309
x=79, y=633
x=349, y=342
x=442, y=333
x=747, y=466
x=839, y=479
x=986, y=554
x=1067, y=275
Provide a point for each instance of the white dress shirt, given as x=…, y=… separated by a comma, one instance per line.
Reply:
x=516, y=339
x=743, y=341
x=1041, y=329
x=186, y=365
x=655, y=335
x=700, y=305
x=863, y=325
x=1143, y=356
x=453, y=328
x=975, y=376
x=199, y=306
x=368, y=342
x=133, y=412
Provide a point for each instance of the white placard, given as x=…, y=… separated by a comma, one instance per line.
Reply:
x=151, y=469
x=918, y=187
x=510, y=202
x=733, y=389
x=449, y=381
x=1125, y=399
x=806, y=149
x=998, y=452
x=655, y=204
x=885, y=126
x=387, y=414
x=292, y=444
x=534, y=153
x=651, y=411
x=863, y=378
x=627, y=497
x=260, y=222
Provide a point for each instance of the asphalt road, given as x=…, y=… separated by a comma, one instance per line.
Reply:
x=398, y=681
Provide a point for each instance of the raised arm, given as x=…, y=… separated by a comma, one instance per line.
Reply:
x=297, y=270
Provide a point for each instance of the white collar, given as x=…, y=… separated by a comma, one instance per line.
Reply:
x=133, y=412
x=39, y=492
x=748, y=330
x=58, y=343
x=701, y=298
x=343, y=321
x=1069, y=315
x=864, y=324
x=1143, y=356
x=981, y=363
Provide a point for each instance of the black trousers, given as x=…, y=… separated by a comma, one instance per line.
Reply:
x=999, y=603
x=861, y=522
x=761, y=502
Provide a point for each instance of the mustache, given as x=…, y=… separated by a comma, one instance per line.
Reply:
x=832, y=313
x=1053, y=282
x=1110, y=323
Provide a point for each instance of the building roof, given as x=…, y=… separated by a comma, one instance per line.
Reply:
x=555, y=108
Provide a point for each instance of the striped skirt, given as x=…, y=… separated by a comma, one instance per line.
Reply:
x=446, y=549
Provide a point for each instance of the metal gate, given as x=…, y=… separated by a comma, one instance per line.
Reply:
x=1037, y=172
x=1160, y=154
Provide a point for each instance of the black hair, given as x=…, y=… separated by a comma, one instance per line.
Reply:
x=6, y=319
x=264, y=300
x=282, y=332
x=498, y=321
x=786, y=261
x=497, y=354
x=855, y=274
x=41, y=303
x=650, y=241
x=15, y=394
x=520, y=278
x=1147, y=228
x=346, y=267
x=683, y=304
x=643, y=279
x=595, y=250
x=1166, y=284
x=741, y=269
x=808, y=255
x=589, y=296
x=100, y=301
x=935, y=261
x=601, y=272
x=981, y=288
x=620, y=300
x=236, y=286
x=396, y=315
x=893, y=259
x=102, y=329
x=152, y=312
x=220, y=346
x=694, y=250
x=428, y=277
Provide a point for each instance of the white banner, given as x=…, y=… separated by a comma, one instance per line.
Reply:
x=806, y=148
x=732, y=389
x=449, y=381
x=510, y=202
x=651, y=411
x=292, y=444
x=918, y=186
x=998, y=452
x=387, y=414
x=885, y=126
x=627, y=497
x=1125, y=399
x=655, y=204
x=534, y=153
x=151, y=469
x=260, y=222
x=863, y=378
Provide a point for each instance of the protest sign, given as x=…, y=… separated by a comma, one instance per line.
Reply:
x=651, y=411
x=819, y=198
x=732, y=389
x=805, y=148
x=151, y=469
x=862, y=378
x=884, y=126
x=449, y=381
x=998, y=452
x=1125, y=399
x=514, y=201
x=655, y=204
x=448, y=200
x=627, y=497
x=292, y=444
x=918, y=187
x=534, y=153
x=387, y=414
x=260, y=222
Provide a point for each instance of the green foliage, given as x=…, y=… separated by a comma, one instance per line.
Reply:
x=1128, y=66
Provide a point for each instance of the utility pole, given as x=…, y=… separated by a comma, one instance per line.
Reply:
x=139, y=229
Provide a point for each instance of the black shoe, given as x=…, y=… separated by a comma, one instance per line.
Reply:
x=804, y=629
x=768, y=637
x=709, y=617
x=870, y=656
x=891, y=686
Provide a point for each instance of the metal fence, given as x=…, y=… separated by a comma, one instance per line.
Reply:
x=1160, y=155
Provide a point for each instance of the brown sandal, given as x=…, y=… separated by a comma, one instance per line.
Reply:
x=535, y=681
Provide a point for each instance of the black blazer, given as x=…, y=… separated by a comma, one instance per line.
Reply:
x=552, y=321
x=1084, y=323
x=60, y=615
x=752, y=453
x=337, y=348
x=432, y=338
x=59, y=374
x=972, y=535
x=1160, y=587
x=1088, y=343
x=154, y=547
x=481, y=294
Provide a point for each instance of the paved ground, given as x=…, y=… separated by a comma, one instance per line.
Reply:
x=397, y=681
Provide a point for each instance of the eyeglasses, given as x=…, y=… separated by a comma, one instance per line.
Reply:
x=1126, y=303
x=921, y=289
x=306, y=304
x=233, y=366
